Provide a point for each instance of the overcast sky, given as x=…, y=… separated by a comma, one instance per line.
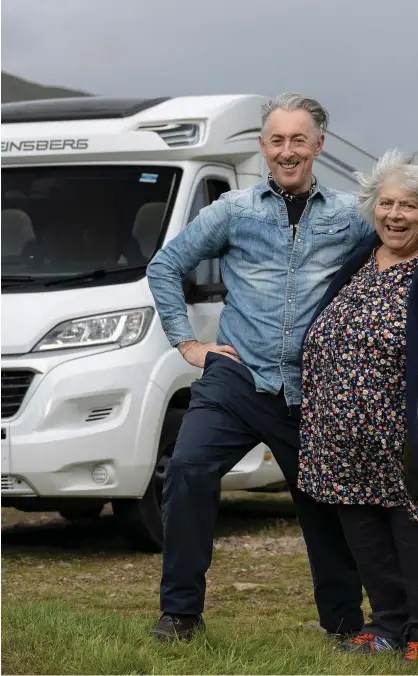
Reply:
x=359, y=57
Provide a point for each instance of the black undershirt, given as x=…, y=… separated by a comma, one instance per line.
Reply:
x=294, y=212
x=295, y=204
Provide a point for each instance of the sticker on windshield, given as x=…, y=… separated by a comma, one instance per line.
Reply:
x=148, y=178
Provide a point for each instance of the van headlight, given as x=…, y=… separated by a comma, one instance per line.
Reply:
x=120, y=328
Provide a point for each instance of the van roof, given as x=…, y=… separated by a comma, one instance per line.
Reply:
x=222, y=128
x=76, y=108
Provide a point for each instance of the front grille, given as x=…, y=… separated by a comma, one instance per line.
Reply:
x=14, y=385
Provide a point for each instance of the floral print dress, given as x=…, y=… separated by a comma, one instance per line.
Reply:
x=353, y=393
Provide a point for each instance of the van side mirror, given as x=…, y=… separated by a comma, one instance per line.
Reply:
x=203, y=293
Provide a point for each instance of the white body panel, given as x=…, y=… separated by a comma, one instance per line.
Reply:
x=51, y=445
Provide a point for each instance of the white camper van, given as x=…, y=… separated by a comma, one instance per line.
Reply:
x=92, y=393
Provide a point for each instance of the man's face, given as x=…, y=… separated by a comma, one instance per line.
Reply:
x=290, y=144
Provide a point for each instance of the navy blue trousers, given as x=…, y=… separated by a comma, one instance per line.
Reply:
x=227, y=417
x=384, y=542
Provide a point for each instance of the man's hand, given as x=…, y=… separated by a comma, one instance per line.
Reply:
x=195, y=353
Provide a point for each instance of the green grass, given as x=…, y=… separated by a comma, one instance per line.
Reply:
x=55, y=639
x=74, y=604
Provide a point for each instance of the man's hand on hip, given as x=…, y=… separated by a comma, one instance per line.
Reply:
x=195, y=353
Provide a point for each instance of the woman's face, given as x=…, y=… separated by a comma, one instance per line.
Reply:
x=396, y=219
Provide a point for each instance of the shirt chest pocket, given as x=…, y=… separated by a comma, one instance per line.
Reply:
x=330, y=241
x=256, y=241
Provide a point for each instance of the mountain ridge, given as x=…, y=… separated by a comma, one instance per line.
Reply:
x=15, y=88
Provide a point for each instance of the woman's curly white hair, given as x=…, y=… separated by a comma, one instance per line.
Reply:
x=394, y=166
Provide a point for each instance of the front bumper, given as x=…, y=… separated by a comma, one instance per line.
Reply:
x=79, y=430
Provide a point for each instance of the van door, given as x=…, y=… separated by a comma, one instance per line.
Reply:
x=211, y=182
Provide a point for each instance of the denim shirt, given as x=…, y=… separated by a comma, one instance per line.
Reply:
x=274, y=282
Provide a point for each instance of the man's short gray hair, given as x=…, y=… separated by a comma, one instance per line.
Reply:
x=292, y=101
x=394, y=166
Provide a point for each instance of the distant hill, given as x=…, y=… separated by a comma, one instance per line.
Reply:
x=16, y=89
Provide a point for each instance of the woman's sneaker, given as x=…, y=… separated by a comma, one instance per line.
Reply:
x=411, y=652
x=368, y=643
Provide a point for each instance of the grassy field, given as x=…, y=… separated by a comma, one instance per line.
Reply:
x=76, y=600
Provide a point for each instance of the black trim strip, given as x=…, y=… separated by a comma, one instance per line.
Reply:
x=76, y=108
x=255, y=130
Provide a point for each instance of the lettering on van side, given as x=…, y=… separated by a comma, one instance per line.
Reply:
x=44, y=145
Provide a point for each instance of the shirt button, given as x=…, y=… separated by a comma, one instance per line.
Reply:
x=287, y=333
x=331, y=231
x=299, y=239
x=290, y=300
x=292, y=270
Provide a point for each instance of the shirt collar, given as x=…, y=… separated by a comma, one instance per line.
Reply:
x=319, y=190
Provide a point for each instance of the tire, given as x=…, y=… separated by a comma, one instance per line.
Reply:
x=74, y=513
x=140, y=519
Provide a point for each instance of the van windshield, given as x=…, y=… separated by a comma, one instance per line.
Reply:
x=57, y=222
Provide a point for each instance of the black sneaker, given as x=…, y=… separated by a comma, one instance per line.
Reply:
x=172, y=627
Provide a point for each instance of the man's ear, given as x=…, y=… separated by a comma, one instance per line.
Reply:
x=319, y=144
x=262, y=145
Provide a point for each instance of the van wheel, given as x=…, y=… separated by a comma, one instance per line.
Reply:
x=74, y=513
x=140, y=519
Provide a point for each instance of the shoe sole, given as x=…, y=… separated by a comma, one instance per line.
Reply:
x=169, y=638
x=363, y=651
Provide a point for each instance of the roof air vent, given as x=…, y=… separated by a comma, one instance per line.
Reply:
x=177, y=134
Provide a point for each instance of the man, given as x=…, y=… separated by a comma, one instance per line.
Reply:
x=279, y=243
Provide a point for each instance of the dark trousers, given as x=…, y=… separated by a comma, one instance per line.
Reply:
x=227, y=417
x=384, y=543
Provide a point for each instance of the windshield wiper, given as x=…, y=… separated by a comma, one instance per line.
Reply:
x=93, y=275
x=16, y=280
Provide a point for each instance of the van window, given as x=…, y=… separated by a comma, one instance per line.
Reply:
x=207, y=191
x=57, y=221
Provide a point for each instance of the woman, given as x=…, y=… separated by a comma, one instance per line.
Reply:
x=359, y=433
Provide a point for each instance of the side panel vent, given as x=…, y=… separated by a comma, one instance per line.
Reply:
x=14, y=485
x=99, y=413
x=7, y=482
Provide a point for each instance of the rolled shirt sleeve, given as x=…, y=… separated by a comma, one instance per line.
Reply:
x=202, y=239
